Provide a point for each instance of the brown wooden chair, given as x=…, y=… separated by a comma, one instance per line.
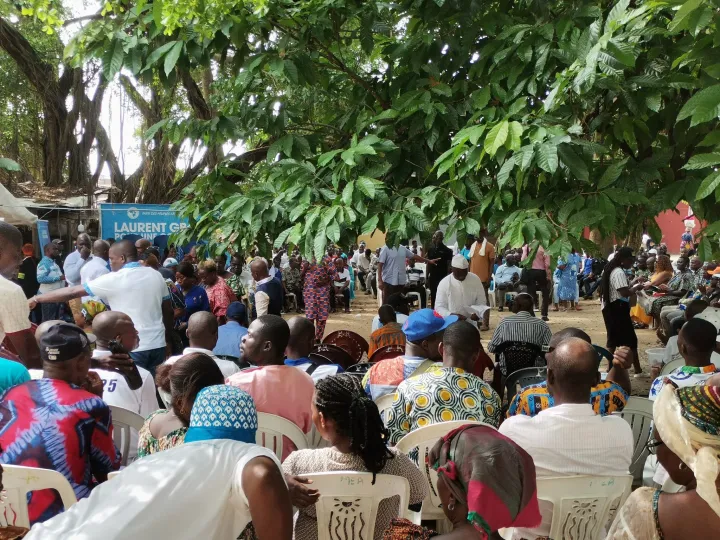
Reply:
x=331, y=354
x=354, y=344
x=388, y=351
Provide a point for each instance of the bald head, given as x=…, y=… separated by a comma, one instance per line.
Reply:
x=302, y=338
x=114, y=329
x=101, y=249
x=567, y=333
x=142, y=244
x=202, y=330
x=10, y=244
x=572, y=371
x=121, y=253
x=259, y=269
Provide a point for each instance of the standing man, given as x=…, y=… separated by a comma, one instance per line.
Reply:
x=136, y=290
x=234, y=281
x=391, y=268
x=482, y=259
x=538, y=278
x=435, y=274
x=50, y=278
x=268, y=291
x=98, y=264
x=77, y=259
x=14, y=312
x=463, y=294
x=27, y=279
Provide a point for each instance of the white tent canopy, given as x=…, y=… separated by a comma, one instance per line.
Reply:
x=13, y=211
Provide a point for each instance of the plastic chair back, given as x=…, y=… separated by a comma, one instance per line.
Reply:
x=123, y=421
x=519, y=355
x=385, y=402
x=352, y=343
x=521, y=378
x=272, y=429
x=672, y=366
x=638, y=412
x=359, y=369
x=349, y=502
x=424, y=439
x=583, y=506
x=334, y=355
x=18, y=481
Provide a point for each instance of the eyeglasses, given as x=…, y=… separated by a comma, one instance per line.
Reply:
x=652, y=445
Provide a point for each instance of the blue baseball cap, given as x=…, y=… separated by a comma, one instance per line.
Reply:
x=236, y=310
x=424, y=323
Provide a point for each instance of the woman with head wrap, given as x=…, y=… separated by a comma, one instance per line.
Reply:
x=687, y=442
x=485, y=482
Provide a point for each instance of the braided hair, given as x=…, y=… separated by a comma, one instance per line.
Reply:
x=342, y=399
x=622, y=254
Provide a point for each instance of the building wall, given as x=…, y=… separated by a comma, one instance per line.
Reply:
x=672, y=225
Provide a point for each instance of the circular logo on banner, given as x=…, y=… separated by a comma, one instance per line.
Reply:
x=133, y=212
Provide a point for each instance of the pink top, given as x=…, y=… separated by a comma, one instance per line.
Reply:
x=281, y=390
x=541, y=261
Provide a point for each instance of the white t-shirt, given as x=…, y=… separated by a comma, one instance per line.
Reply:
x=399, y=317
x=343, y=277
x=226, y=366
x=570, y=439
x=92, y=269
x=117, y=393
x=191, y=491
x=138, y=292
x=618, y=280
x=14, y=310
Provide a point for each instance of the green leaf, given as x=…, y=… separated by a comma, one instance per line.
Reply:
x=157, y=12
x=514, y=136
x=702, y=161
x=247, y=212
x=708, y=185
x=366, y=35
x=496, y=138
x=319, y=245
x=481, y=98
x=504, y=174
x=547, y=157
x=711, y=139
x=327, y=157
x=705, y=249
x=157, y=54
x=295, y=235
x=611, y=174
x=152, y=130
x=367, y=186
x=112, y=62
x=291, y=71
x=172, y=56
x=703, y=106
x=282, y=237
x=9, y=165
x=682, y=14
x=370, y=225
x=332, y=231
x=471, y=226
x=347, y=194
x=573, y=162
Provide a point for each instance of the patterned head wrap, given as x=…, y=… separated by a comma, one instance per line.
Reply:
x=688, y=420
x=491, y=474
x=222, y=412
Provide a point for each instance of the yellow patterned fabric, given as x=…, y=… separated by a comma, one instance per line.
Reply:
x=441, y=395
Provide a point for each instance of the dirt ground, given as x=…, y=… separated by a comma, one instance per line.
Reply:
x=364, y=308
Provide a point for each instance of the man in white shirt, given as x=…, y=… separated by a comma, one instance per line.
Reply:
x=210, y=487
x=14, y=311
x=76, y=260
x=202, y=332
x=136, y=290
x=116, y=335
x=462, y=294
x=297, y=352
x=97, y=265
x=569, y=438
x=268, y=297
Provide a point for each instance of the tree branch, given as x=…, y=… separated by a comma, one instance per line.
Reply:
x=140, y=102
x=194, y=95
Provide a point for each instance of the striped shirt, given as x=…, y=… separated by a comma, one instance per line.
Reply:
x=522, y=327
x=618, y=280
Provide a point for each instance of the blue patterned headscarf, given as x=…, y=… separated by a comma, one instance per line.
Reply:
x=222, y=412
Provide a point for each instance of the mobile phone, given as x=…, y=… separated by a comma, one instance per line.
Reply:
x=116, y=347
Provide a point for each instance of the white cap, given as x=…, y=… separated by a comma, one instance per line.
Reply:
x=711, y=315
x=460, y=262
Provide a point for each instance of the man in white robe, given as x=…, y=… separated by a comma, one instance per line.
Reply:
x=462, y=294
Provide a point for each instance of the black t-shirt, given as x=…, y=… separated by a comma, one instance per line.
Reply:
x=27, y=277
x=440, y=270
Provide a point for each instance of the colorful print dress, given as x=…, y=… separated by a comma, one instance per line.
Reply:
x=317, y=297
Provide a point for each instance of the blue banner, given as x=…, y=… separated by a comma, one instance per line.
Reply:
x=43, y=234
x=138, y=220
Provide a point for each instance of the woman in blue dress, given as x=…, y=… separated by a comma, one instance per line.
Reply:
x=567, y=282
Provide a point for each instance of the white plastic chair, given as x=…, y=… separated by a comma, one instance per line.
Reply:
x=385, y=402
x=583, y=506
x=123, y=422
x=424, y=439
x=491, y=292
x=416, y=295
x=638, y=412
x=18, y=481
x=349, y=502
x=272, y=428
x=672, y=366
